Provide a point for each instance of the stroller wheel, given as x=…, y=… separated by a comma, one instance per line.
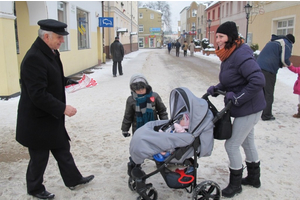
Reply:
x=207, y=190
x=151, y=194
x=131, y=184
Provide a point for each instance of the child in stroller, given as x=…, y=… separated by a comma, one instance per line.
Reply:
x=188, y=146
x=178, y=127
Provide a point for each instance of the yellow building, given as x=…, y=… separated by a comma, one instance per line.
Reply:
x=125, y=25
x=18, y=30
x=275, y=17
x=150, y=28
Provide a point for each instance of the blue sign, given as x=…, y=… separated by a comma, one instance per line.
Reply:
x=106, y=22
x=154, y=29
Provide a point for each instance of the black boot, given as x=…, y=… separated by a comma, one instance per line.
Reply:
x=234, y=186
x=253, y=175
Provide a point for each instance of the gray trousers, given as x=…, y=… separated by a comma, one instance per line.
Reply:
x=242, y=135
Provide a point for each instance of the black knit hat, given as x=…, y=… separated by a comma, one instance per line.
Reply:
x=291, y=38
x=229, y=28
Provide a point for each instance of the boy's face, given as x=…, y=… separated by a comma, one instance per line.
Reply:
x=141, y=91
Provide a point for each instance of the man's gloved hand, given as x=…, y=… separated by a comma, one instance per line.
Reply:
x=125, y=134
x=230, y=96
x=71, y=81
x=212, y=91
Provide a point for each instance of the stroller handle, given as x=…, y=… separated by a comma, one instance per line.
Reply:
x=222, y=112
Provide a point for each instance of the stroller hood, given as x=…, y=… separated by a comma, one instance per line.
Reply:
x=147, y=142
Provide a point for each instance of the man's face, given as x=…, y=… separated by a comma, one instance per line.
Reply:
x=54, y=40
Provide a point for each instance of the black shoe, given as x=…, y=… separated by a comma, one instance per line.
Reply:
x=121, y=74
x=44, y=195
x=114, y=75
x=83, y=180
x=268, y=118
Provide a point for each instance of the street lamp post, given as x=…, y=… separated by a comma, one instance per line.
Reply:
x=209, y=23
x=247, y=11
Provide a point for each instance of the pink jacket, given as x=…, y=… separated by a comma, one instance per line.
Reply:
x=297, y=83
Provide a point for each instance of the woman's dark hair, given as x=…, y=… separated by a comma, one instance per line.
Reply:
x=137, y=86
x=231, y=42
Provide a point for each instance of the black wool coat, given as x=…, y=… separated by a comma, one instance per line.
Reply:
x=41, y=119
x=117, y=51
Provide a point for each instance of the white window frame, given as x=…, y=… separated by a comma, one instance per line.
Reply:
x=62, y=17
x=151, y=16
x=83, y=29
x=286, y=26
x=141, y=28
x=141, y=42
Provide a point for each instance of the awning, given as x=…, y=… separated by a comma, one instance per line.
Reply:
x=133, y=33
x=122, y=30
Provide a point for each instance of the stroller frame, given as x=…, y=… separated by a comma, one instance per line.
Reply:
x=137, y=177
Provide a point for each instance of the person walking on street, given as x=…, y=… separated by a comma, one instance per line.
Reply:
x=276, y=54
x=185, y=47
x=42, y=109
x=117, y=53
x=192, y=48
x=296, y=87
x=243, y=81
x=177, y=46
x=169, y=47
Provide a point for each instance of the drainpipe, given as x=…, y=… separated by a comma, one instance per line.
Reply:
x=131, y=29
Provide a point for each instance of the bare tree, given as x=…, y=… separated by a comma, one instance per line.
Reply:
x=164, y=7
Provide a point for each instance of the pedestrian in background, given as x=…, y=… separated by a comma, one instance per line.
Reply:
x=169, y=47
x=276, y=54
x=142, y=106
x=185, y=47
x=192, y=48
x=42, y=109
x=117, y=53
x=296, y=87
x=242, y=80
x=177, y=46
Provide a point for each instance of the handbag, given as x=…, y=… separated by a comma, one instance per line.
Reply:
x=223, y=127
x=222, y=121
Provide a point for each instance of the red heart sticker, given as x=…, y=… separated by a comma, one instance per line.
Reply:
x=152, y=99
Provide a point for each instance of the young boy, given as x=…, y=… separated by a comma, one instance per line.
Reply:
x=142, y=106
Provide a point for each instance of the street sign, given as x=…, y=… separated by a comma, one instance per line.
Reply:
x=106, y=22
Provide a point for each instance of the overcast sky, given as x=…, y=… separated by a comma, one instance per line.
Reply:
x=176, y=8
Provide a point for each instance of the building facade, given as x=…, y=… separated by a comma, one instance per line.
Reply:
x=19, y=29
x=125, y=25
x=150, y=31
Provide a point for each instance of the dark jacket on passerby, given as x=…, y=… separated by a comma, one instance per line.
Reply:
x=159, y=109
x=177, y=45
x=41, y=119
x=117, y=50
x=269, y=58
x=241, y=75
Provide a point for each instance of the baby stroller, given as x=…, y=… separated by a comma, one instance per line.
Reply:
x=185, y=148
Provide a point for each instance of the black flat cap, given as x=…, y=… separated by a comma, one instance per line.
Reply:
x=54, y=26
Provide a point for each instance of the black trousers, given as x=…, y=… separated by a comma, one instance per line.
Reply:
x=119, y=67
x=177, y=52
x=269, y=93
x=38, y=163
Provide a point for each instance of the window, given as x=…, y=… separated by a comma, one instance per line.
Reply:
x=83, y=29
x=141, y=15
x=141, y=28
x=141, y=42
x=62, y=17
x=285, y=27
x=151, y=16
x=194, y=14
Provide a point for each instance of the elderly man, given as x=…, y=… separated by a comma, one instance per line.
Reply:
x=42, y=109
